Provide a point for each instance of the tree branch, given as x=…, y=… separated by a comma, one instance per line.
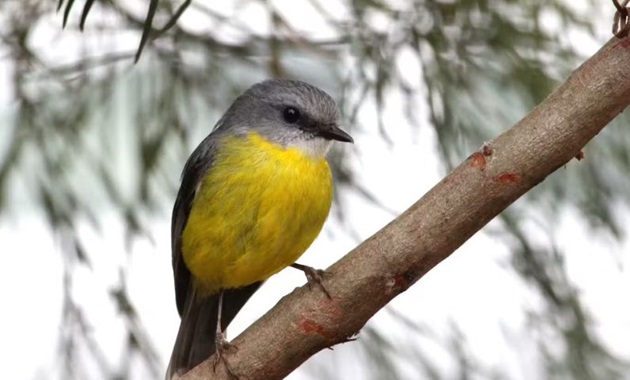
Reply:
x=305, y=322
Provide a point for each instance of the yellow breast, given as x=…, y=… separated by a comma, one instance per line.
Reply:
x=258, y=209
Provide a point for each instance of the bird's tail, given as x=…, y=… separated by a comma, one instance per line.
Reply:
x=196, y=336
x=197, y=330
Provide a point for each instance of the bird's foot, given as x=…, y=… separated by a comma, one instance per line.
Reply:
x=314, y=276
x=223, y=348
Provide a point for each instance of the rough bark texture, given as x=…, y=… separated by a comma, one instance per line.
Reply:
x=305, y=322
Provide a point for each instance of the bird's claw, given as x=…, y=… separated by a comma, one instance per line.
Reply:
x=314, y=276
x=223, y=348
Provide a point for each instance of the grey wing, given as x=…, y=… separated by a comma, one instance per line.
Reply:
x=200, y=161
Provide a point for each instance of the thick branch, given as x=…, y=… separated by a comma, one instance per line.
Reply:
x=305, y=322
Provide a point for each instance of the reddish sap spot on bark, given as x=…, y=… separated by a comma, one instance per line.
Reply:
x=404, y=281
x=478, y=161
x=506, y=177
x=579, y=156
x=311, y=327
x=400, y=283
x=486, y=150
x=624, y=43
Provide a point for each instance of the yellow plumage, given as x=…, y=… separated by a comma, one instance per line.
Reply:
x=258, y=209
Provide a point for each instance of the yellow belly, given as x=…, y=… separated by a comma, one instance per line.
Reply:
x=259, y=208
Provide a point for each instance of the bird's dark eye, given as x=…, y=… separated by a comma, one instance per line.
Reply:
x=291, y=115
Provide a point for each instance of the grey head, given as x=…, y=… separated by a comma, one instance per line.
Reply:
x=289, y=113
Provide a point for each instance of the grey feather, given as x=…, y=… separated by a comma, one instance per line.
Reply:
x=260, y=109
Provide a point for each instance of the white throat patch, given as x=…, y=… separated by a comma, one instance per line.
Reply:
x=316, y=147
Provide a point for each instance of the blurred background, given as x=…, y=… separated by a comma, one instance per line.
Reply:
x=92, y=146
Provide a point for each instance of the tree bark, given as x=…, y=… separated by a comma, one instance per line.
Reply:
x=366, y=279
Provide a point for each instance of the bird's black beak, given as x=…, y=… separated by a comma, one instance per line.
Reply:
x=333, y=132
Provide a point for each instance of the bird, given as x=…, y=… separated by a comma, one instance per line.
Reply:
x=254, y=195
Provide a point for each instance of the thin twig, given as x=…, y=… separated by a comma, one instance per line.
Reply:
x=621, y=20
